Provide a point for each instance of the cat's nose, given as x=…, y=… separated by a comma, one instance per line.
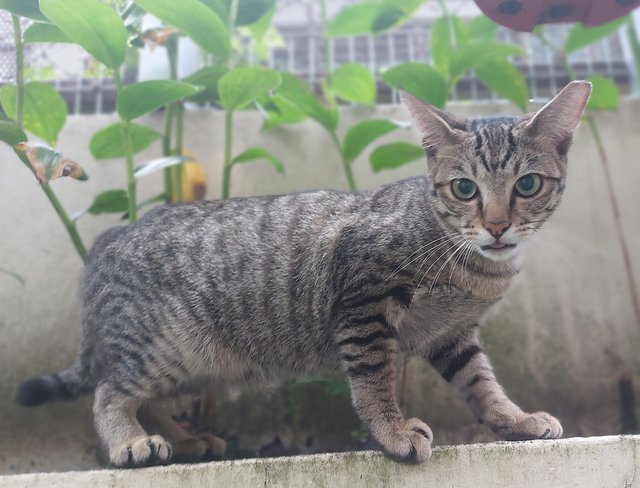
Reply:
x=496, y=229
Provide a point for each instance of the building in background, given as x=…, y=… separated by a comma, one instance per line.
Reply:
x=297, y=47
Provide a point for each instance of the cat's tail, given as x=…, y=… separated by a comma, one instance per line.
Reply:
x=65, y=385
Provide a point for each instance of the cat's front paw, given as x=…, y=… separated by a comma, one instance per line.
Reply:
x=141, y=451
x=527, y=426
x=408, y=441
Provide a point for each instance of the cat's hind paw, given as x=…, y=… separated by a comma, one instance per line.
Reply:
x=528, y=426
x=203, y=447
x=408, y=441
x=141, y=451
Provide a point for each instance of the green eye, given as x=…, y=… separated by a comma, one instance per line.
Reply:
x=464, y=189
x=528, y=185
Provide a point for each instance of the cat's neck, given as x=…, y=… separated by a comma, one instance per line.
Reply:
x=484, y=278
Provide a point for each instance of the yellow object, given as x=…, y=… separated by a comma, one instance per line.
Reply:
x=194, y=180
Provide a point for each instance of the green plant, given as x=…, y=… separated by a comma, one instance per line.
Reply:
x=39, y=109
x=22, y=104
x=350, y=83
x=227, y=84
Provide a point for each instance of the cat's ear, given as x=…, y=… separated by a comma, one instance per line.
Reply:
x=438, y=128
x=557, y=120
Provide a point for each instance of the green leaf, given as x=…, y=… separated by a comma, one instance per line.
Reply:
x=581, y=36
x=371, y=17
x=359, y=136
x=386, y=19
x=278, y=111
x=93, y=25
x=605, y=94
x=419, y=79
x=243, y=85
x=49, y=164
x=250, y=11
x=393, y=13
x=354, y=20
x=159, y=164
x=220, y=8
x=299, y=94
x=24, y=8
x=471, y=56
x=38, y=32
x=111, y=201
x=11, y=133
x=208, y=77
x=354, y=83
x=482, y=28
x=256, y=153
x=446, y=32
x=502, y=77
x=260, y=27
x=394, y=155
x=146, y=96
x=196, y=20
x=107, y=143
x=45, y=111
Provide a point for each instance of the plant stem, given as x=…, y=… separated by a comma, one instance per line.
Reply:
x=347, y=167
x=228, y=141
x=128, y=150
x=328, y=55
x=168, y=130
x=233, y=14
x=452, y=34
x=613, y=200
x=178, y=148
x=17, y=37
x=175, y=172
x=68, y=223
x=228, y=114
x=166, y=151
x=325, y=85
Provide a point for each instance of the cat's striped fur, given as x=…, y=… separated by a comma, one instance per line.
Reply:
x=256, y=288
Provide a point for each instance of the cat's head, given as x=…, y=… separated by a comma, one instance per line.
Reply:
x=496, y=180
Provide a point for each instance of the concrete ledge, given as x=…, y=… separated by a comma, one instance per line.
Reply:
x=598, y=462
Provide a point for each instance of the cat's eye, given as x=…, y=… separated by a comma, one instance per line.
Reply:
x=528, y=185
x=464, y=189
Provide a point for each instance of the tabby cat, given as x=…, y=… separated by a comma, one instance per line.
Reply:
x=256, y=288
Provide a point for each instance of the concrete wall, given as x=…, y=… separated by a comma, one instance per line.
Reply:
x=587, y=463
x=560, y=339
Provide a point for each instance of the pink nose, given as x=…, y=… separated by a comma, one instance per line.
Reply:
x=496, y=229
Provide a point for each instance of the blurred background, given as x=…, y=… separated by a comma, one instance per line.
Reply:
x=275, y=97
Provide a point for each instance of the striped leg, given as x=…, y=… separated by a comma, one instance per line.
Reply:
x=368, y=351
x=462, y=363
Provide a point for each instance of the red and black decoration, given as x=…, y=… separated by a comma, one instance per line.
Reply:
x=524, y=15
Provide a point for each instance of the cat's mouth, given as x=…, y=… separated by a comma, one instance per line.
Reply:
x=498, y=246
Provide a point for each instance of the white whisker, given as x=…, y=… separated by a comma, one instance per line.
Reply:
x=419, y=250
x=435, y=280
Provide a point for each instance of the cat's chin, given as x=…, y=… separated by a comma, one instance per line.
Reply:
x=501, y=254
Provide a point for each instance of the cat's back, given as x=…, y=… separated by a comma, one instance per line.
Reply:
x=234, y=245
x=174, y=230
